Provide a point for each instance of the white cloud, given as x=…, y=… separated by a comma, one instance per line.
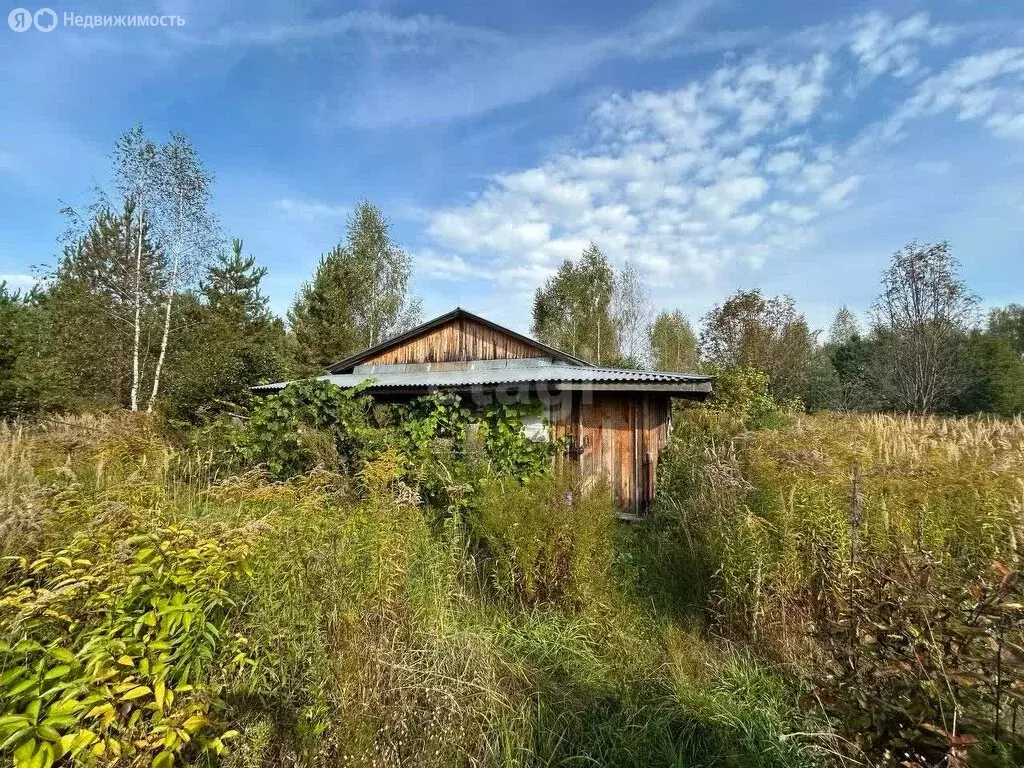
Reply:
x=452, y=267
x=988, y=87
x=310, y=210
x=883, y=46
x=730, y=169
x=837, y=194
x=19, y=282
x=676, y=181
x=428, y=69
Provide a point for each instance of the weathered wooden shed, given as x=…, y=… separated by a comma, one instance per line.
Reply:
x=615, y=421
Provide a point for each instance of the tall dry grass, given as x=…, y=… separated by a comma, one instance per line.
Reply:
x=376, y=640
x=770, y=520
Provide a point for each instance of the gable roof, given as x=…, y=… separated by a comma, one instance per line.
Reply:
x=346, y=365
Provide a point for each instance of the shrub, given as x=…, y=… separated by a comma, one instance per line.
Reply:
x=923, y=666
x=307, y=424
x=108, y=642
x=547, y=540
x=743, y=393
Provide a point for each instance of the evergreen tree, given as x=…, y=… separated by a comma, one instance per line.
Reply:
x=228, y=340
x=572, y=311
x=25, y=383
x=358, y=296
x=995, y=371
x=91, y=304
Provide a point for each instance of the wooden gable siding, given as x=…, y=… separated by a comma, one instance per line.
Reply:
x=621, y=437
x=459, y=340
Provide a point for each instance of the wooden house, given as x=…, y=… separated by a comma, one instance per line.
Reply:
x=615, y=422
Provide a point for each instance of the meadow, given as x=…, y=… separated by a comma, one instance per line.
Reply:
x=824, y=590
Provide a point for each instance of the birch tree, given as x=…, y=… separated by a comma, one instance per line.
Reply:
x=631, y=307
x=572, y=311
x=187, y=226
x=921, y=320
x=137, y=176
x=384, y=307
x=673, y=343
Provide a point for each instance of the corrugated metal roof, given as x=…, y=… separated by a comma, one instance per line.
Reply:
x=441, y=379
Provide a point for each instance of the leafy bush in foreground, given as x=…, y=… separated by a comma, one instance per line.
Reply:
x=107, y=644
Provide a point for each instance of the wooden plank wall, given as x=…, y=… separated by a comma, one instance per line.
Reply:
x=622, y=437
x=456, y=341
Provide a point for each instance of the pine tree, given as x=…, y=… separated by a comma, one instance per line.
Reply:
x=105, y=288
x=25, y=375
x=228, y=340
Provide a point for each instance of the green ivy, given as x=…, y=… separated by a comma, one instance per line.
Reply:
x=308, y=423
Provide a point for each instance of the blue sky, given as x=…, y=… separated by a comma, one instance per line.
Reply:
x=716, y=144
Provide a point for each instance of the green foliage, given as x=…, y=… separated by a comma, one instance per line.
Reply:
x=674, y=345
x=572, y=311
x=108, y=644
x=924, y=663
x=996, y=374
x=452, y=447
x=1008, y=323
x=25, y=382
x=229, y=341
x=309, y=423
x=370, y=638
x=547, y=540
x=769, y=334
x=742, y=393
x=358, y=296
x=509, y=451
x=90, y=302
x=873, y=584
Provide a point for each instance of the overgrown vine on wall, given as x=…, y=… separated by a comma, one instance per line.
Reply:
x=447, y=444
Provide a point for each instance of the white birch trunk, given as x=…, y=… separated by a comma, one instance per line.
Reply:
x=138, y=311
x=171, y=287
x=163, y=341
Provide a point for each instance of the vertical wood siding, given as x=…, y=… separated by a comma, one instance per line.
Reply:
x=456, y=341
x=622, y=436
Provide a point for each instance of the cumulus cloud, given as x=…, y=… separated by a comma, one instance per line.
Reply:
x=733, y=168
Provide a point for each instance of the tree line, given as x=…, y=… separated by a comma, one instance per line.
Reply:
x=926, y=346
x=150, y=306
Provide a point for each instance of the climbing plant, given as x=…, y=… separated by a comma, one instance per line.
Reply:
x=308, y=423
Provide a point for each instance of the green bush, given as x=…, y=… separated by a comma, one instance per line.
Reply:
x=548, y=540
x=742, y=392
x=108, y=643
x=307, y=424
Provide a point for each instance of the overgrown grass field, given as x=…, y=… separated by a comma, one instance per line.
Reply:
x=159, y=607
